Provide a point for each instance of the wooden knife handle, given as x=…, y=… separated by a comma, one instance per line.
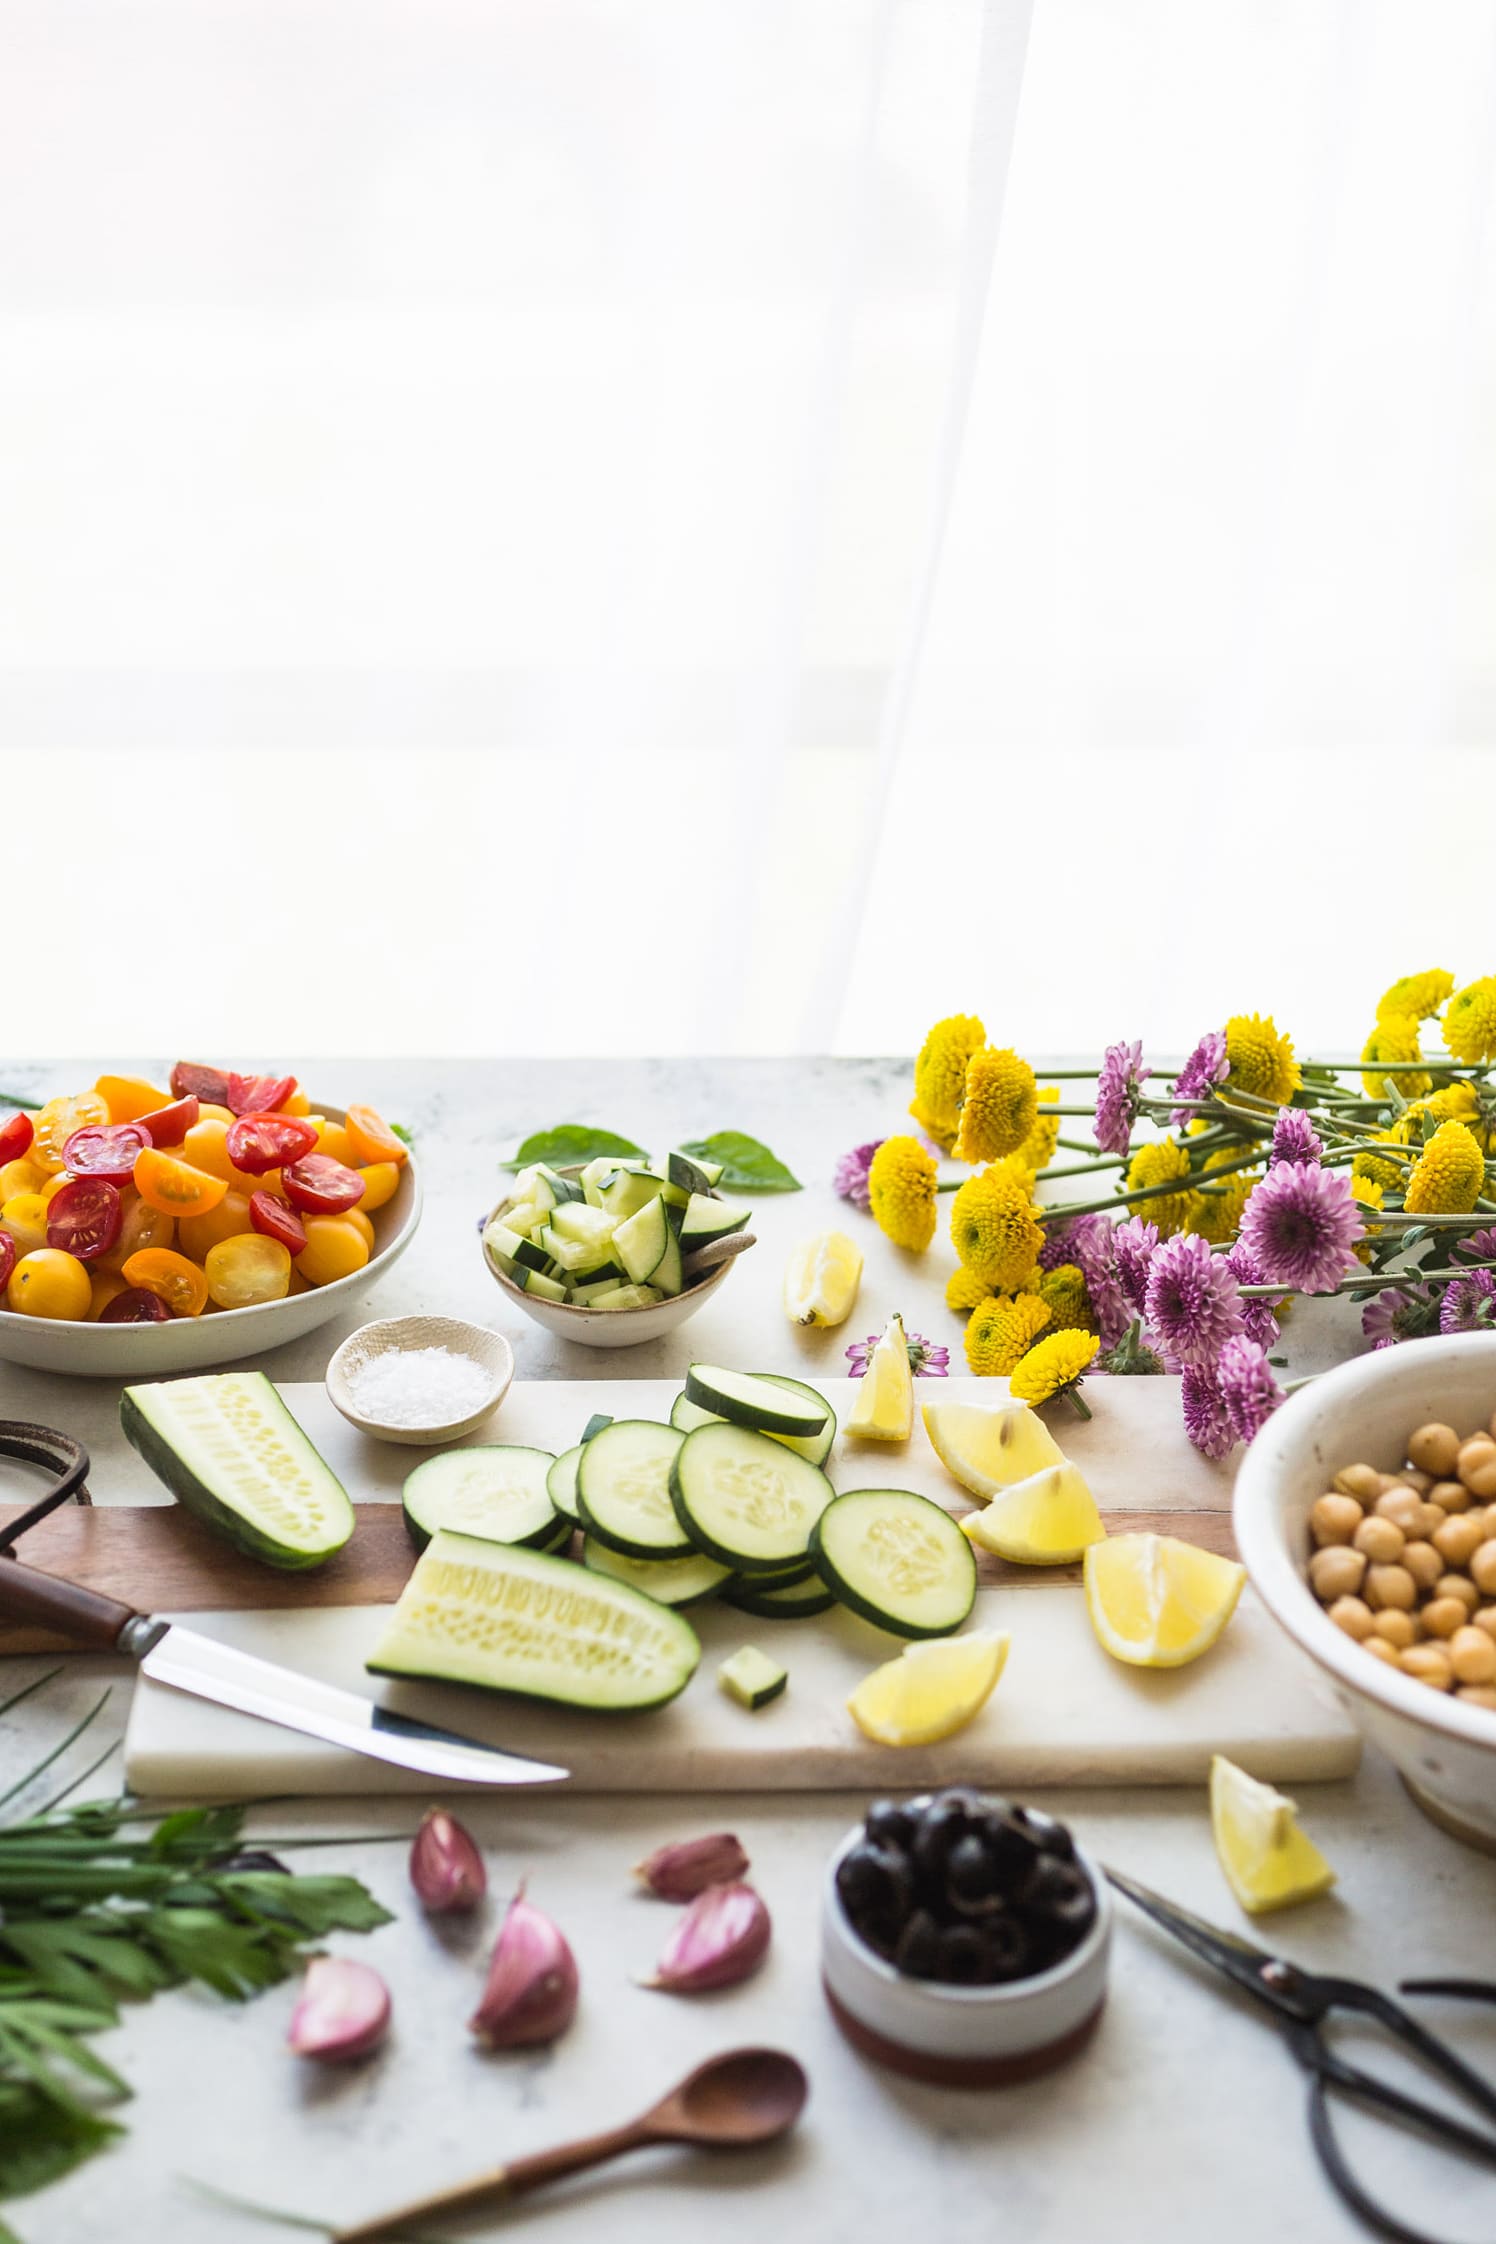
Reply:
x=93, y=1622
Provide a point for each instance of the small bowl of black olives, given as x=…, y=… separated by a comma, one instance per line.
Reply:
x=965, y=1938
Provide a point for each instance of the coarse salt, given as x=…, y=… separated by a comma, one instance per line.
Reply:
x=418, y=1387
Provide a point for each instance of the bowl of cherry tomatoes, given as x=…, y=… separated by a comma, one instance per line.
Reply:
x=146, y=1229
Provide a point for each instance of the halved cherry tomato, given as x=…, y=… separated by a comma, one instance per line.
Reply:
x=333, y=1250
x=179, y=1282
x=104, y=1286
x=16, y=1133
x=210, y=1084
x=277, y=1219
x=84, y=1218
x=49, y=1283
x=107, y=1150
x=257, y=1094
x=320, y=1186
x=361, y=1225
x=174, y=1186
x=141, y=1226
x=128, y=1096
x=57, y=1121
x=297, y=1104
x=196, y=1234
x=381, y=1183
x=332, y=1139
x=7, y=1257
x=372, y=1139
x=136, y=1305
x=250, y=1269
x=168, y=1125
x=258, y=1142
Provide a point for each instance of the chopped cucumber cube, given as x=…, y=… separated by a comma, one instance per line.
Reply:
x=752, y=1678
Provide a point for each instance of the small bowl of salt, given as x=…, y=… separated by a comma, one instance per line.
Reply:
x=421, y=1380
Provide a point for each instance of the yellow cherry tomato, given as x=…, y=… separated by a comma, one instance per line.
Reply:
x=246, y=1270
x=297, y=1104
x=334, y=1249
x=50, y=1283
x=206, y=1147
x=54, y=1185
x=372, y=1138
x=55, y=1124
x=179, y=1282
x=25, y=1218
x=174, y=1186
x=298, y=1283
x=208, y=1112
x=103, y=1285
x=381, y=1181
x=141, y=1226
x=129, y=1096
x=332, y=1139
x=361, y=1225
x=20, y=1176
x=198, y=1235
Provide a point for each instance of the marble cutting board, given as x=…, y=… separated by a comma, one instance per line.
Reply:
x=1064, y=1713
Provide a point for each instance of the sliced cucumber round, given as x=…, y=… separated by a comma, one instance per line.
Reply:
x=495, y=1490
x=561, y=1483
x=745, y=1399
x=623, y=1489
x=779, y=1601
x=817, y=1447
x=897, y=1559
x=746, y=1500
x=673, y=1581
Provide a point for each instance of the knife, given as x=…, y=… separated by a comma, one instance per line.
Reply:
x=185, y=1660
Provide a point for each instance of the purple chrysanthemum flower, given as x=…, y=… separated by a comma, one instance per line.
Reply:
x=1478, y=1246
x=1118, y=1087
x=1299, y=1226
x=1205, y=1419
x=1400, y=1313
x=1193, y=1305
x=1294, y=1138
x=1469, y=1304
x=1244, y=1380
x=1069, y=1240
x=1087, y=1241
x=850, y=1179
x=1206, y=1067
x=1133, y=1243
x=1258, y=1321
x=928, y=1359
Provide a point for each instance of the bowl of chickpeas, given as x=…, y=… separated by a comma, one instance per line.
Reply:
x=1365, y=1513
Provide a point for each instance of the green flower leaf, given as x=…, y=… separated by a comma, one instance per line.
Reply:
x=747, y=1166
x=572, y=1142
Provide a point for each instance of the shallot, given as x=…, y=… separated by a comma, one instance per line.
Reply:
x=722, y=1938
x=343, y=2010
x=683, y=1870
x=531, y=1991
x=446, y=1868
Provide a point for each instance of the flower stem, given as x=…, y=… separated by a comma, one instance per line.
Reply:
x=1073, y=1395
x=1170, y=1187
x=1373, y=1282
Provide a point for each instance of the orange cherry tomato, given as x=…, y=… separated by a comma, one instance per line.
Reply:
x=361, y=1225
x=332, y=1139
x=140, y=1226
x=250, y=1269
x=175, y=1187
x=381, y=1181
x=178, y=1282
x=102, y=1289
x=25, y=1219
x=372, y=1138
x=55, y=1124
x=298, y=1104
x=128, y=1097
x=207, y=1111
x=197, y=1236
x=206, y=1147
x=333, y=1250
x=50, y=1283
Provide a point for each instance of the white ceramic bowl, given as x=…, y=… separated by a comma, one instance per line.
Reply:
x=1365, y=1411
x=198, y=1343
x=964, y=2037
x=606, y=1328
x=388, y=1336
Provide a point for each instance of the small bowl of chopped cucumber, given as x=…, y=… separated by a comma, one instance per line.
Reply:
x=612, y=1253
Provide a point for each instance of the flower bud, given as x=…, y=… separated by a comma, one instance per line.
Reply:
x=343, y=2010
x=531, y=1991
x=446, y=1868
x=722, y=1938
x=681, y=1871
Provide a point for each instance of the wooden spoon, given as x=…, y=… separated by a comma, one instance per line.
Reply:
x=733, y=2102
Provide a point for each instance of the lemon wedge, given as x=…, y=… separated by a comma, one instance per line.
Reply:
x=989, y=1446
x=884, y=1409
x=1049, y=1519
x=821, y=1279
x=1268, y=1862
x=931, y=1690
x=1157, y=1602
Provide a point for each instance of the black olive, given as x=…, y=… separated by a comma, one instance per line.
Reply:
x=918, y=1951
x=1059, y=1895
x=970, y=1873
x=1010, y=1849
x=962, y=1957
x=943, y=1823
x=888, y=1824
x=1048, y=1835
x=876, y=1890
x=1010, y=1947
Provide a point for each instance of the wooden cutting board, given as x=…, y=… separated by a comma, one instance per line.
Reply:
x=1064, y=1713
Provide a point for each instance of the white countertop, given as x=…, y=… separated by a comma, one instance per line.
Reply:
x=1184, y=2118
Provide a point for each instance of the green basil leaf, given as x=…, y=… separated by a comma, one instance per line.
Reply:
x=747, y=1166
x=402, y=1133
x=572, y=1141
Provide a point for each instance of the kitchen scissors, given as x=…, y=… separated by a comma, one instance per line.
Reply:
x=1301, y=2002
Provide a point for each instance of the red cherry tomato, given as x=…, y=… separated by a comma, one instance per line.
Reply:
x=135, y=1306
x=257, y=1094
x=16, y=1134
x=318, y=1185
x=105, y=1149
x=258, y=1142
x=84, y=1218
x=168, y=1125
x=8, y=1260
x=210, y=1084
x=277, y=1219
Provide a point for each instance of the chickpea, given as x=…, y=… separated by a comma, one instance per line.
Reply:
x=1443, y=1615
x=1334, y=1519
x=1424, y=1564
x=1337, y=1571
x=1477, y=1694
x=1450, y=1495
x=1484, y=1617
x=1472, y=1655
x=1427, y=1663
x=1395, y=1628
x=1380, y=1649
x=1381, y=1541
x=1459, y=1538
x=1419, y=1482
x=1389, y=1480
x=1483, y=1569
x=1477, y=1465
x=1435, y=1447
x=1458, y=1586
x=1389, y=1585
x=1363, y=1482
x=1357, y=1618
x=1402, y=1505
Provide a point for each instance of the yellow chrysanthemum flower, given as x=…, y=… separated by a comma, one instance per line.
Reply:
x=993, y=1229
x=1052, y=1365
x=1037, y=1149
x=940, y=1073
x=1420, y=995
x=1002, y=1329
x=901, y=1192
x=1395, y=1037
x=945, y=1139
x=1217, y=1215
x=999, y=1106
x=1470, y=1022
x=1367, y=1195
x=1368, y=1168
x=1261, y=1059
x=964, y=1290
x=1159, y=1163
x=1448, y=1174
x=1063, y=1291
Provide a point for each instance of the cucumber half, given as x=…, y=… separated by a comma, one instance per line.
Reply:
x=232, y=1454
x=897, y=1559
x=817, y=1447
x=674, y=1581
x=623, y=1489
x=745, y=1399
x=495, y=1490
x=508, y=1619
x=745, y=1500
